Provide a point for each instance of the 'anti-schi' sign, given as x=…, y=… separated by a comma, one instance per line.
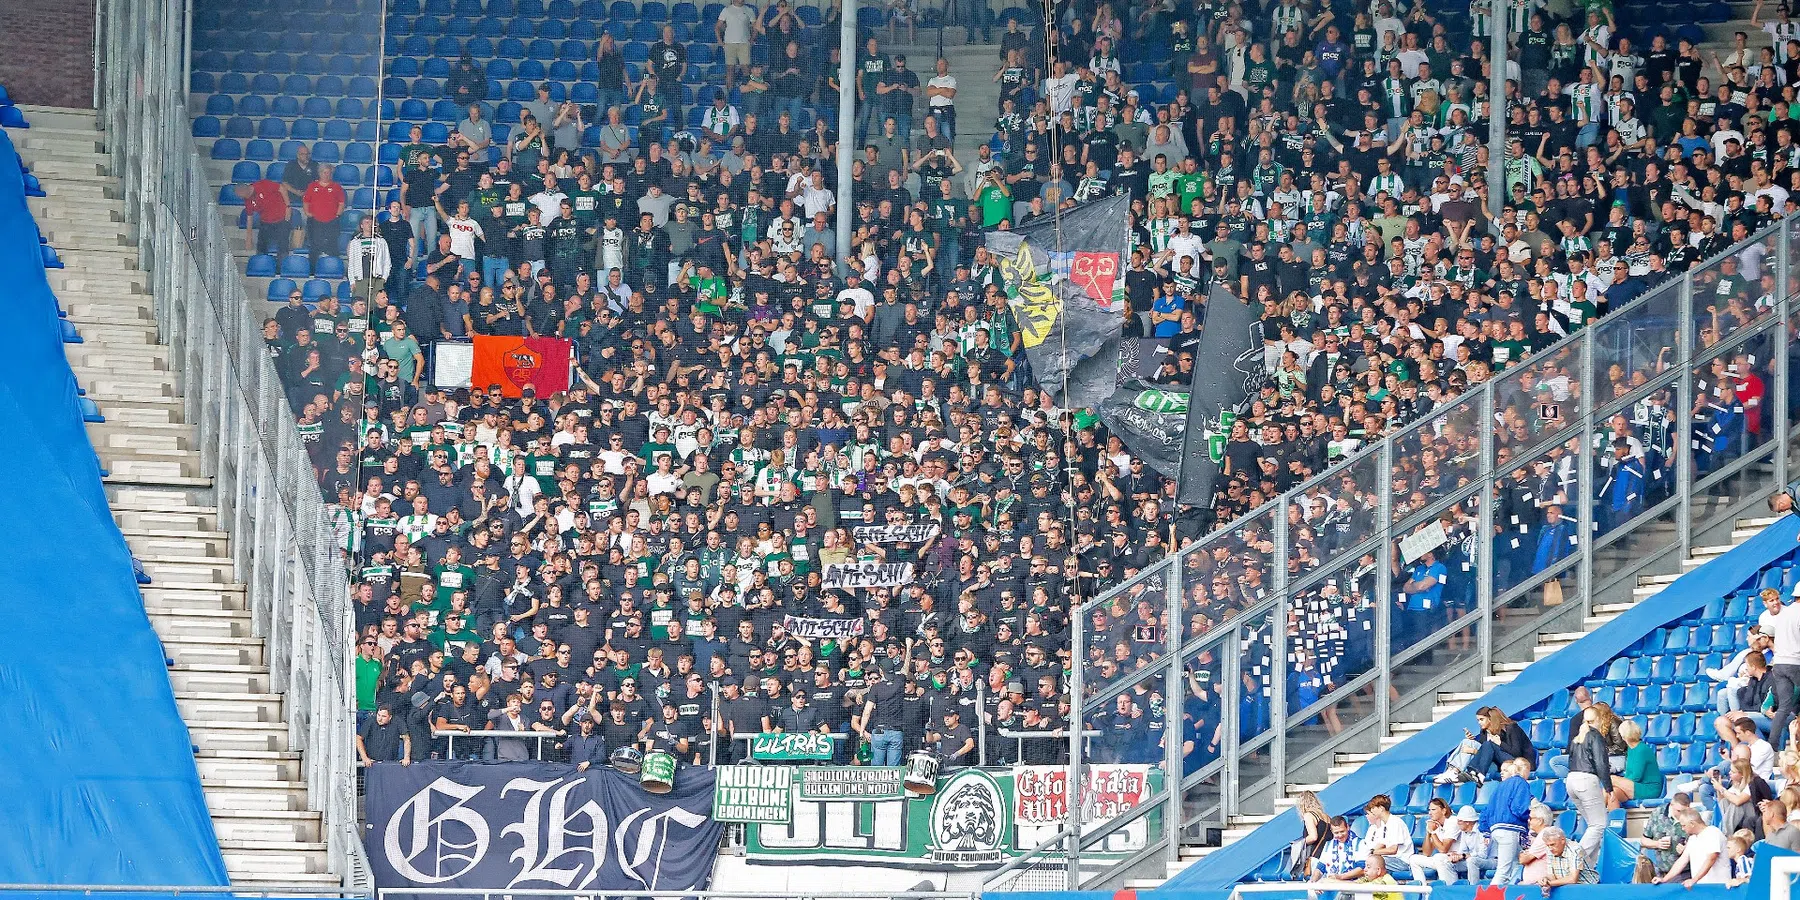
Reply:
x=858, y=575
x=895, y=534
x=823, y=629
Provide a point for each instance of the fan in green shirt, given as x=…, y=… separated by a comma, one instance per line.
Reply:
x=995, y=201
x=453, y=575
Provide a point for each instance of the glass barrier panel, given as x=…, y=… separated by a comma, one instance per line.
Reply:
x=1730, y=391
x=1632, y=349
x=1233, y=571
x=1535, y=515
x=1255, y=681
x=1126, y=634
x=1331, y=628
x=1203, y=810
x=1439, y=457
x=1711, y=506
x=1734, y=292
x=1648, y=538
x=1434, y=572
x=1539, y=398
x=1424, y=665
x=1517, y=619
x=1329, y=516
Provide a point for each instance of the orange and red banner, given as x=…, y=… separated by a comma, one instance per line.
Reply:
x=515, y=363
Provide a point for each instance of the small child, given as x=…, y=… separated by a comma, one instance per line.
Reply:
x=1737, y=854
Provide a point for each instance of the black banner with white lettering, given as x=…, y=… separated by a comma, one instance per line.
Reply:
x=494, y=826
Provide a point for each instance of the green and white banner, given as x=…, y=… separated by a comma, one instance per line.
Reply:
x=753, y=794
x=857, y=815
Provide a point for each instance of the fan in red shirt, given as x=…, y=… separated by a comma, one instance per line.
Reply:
x=267, y=203
x=324, y=201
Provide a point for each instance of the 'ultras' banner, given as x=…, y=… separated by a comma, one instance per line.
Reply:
x=494, y=826
x=861, y=815
x=1066, y=281
x=1228, y=369
x=516, y=363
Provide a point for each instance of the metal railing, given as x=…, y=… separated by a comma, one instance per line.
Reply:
x=283, y=544
x=1318, y=640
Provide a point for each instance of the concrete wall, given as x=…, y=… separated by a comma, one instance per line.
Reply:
x=48, y=55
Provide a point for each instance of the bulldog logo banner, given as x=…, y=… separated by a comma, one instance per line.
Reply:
x=515, y=363
x=495, y=826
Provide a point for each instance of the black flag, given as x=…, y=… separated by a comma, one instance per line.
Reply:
x=1070, y=302
x=1228, y=368
x=1151, y=420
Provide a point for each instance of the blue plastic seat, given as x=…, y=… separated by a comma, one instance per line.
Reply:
x=295, y=265
x=280, y=288
x=223, y=148
x=1463, y=795
x=531, y=70
x=259, y=150
x=220, y=105
x=1668, y=696
x=437, y=67
x=1678, y=639
x=315, y=289
x=1693, y=757
x=289, y=150
x=329, y=267
x=1560, y=730
x=345, y=174
x=1687, y=669
x=1556, y=795
x=1628, y=701
x=245, y=172
x=1668, y=758
x=1697, y=699
x=262, y=265
x=1418, y=799
x=305, y=130
x=552, y=29
x=1619, y=671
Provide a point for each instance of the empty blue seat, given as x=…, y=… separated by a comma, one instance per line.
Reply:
x=220, y=105
x=245, y=172
x=1560, y=730
x=348, y=175
x=531, y=70
x=1714, y=610
x=1693, y=757
x=1556, y=795
x=304, y=130
x=1418, y=799
x=403, y=67
x=552, y=29
x=295, y=265
x=224, y=148
x=1668, y=758
x=1678, y=639
x=1668, y=696
x=259, y=150
x=280, y=288
x=271, y=129
x=315, y=290
x=1697, y=699
x=1628, y=701
x=1463, y=795
x=262, y=265
x=437, y=67
x=254, y=106
x=329, y=267
x=1687, y=669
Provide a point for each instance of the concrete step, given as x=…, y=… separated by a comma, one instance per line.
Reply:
x=149, y=498
x=238, y=736
x=230, y=707
x=165, y=545
x=201, y=679
x=211, y=651
x=248, y=863
x=253, y=795
x=217, y=623
x=267, y=825
x=176, y=522
x=229, y=768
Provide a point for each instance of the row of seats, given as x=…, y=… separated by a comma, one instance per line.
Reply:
x=338, y=66
x=312, y=290
x=293, y=265
x=620, y=11
x=360, y=198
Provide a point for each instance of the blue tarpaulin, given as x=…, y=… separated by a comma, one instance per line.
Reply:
x=1422, y=753
x=99, y=777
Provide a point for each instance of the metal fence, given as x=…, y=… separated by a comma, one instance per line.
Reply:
x=1310, y=642
x=263, y=482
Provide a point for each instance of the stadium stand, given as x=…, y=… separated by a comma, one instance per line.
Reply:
x=89, y=802
x=1330, y=178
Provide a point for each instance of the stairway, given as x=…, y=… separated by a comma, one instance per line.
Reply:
x=254, y=784
x=1452, y=701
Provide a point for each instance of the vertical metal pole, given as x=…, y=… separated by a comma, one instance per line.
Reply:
x=1278, y=657
x=1077, y=723
x=1174, y=726
x=981, y=725
x=1778, y=417
x=712, y=751
x=187, y=45
x=1684, y=421
x=846, y=128
x=1384, y=591
x=1496, y=169
x=1231, y=700
x=1584, y=478
x=98, y=95
x=1484, y=544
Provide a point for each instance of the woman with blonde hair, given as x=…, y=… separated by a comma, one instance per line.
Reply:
x=1317, y=825
x=1643, y=777
x=1589, y=777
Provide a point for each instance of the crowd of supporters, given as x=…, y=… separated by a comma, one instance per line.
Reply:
x=743, y=399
